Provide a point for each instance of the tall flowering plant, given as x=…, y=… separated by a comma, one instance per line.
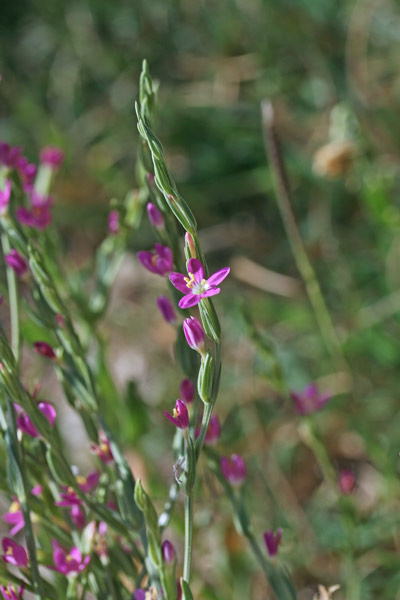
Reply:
x=99, y=534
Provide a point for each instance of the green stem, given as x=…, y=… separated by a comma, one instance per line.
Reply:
x=187, y=563
x=13, y=301
x=208, y=410
x=304, y=265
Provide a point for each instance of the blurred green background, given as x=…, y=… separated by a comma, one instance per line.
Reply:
x=70, y=77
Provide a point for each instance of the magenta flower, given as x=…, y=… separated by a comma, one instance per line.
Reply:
x=25, y=424
x=194, y=334
x=166, y=309
x=160, y=261
x=347, y=481
x=44, y=349
x=89, y=483
x=272, y=541
x=14, y=554
x=16, y=262
x=52, y=157
x=5, y=197
x=195, y=287
x=69, y=497
x=180, y=415
x=39, y=215
x=113, y=222
x=233, y=469
x=9, y=592
x=15, y=516
x=103, y=449
x=168, y=552
x=187, y=391
x=78, y=516
x=27, y=172
x=9, y=155
x=310, y=399
x=68, y=562
x=155, y=216
x=150, y=594
x=213, y=431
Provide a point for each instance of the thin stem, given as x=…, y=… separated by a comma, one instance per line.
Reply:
x=187, y=563
x=13, y=301
x=304, y=265
x=204, y=426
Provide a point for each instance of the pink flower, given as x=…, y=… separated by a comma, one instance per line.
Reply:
x=25, y=424
x=233, y=469
x=347, y=481
x=160, y=261
x=69, y=497
x=16, y=262
x=5, y=197
x=14, y=516
x=27, y=172
x=113, y=222
x=309, y=400
x=52, y=156
x=89, y=483
x=68, y=562
x=103, y=449
x=14, y=554
x=39, y=215
x=9, y=592
x=194, y=334
x=187, y=391
x=213, y=431
x=155, y=216
x=166, y=309
x=272, y=541
x=44, y=349
x=180, y=415
x=78, y=516
x=9, y=155
x=195, y=287
x=168, y=552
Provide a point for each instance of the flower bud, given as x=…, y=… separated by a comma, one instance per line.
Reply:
x=52, y=157
x=205, y=378
x=155, y=216
x=194, y=334
x=272, y=541
x=16, y=262
x=113, y=222
x=168, y=552
x=190, y=248
x=187, y=391
x=233, y=469
x=166, y=309
x=347, y=481
x=44, y=349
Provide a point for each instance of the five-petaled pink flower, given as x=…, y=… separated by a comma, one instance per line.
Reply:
x=17, y=262
x=272, y=541
x=310, y=399
x=89, y=483
x=233, y=469
x=180, y=415
x=44, y=349
x=160, y=261
x=9, y=592
x=15, y=516
x=103, y=449
x=195, y=287
x=25, y=424
x=14, y=554
x=67, y=562
x=5, y=197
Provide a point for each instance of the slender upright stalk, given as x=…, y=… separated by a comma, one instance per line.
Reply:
x=187, y=561
x=304, y=265
x=13, y=300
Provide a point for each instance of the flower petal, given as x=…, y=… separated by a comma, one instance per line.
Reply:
x=178, y=281
x=218, y=276
x=211, y=292
x=189, y=300
x=195, y=267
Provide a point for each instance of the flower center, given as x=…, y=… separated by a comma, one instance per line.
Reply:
x=14, y=507
x=80, y=480
x=69, y=558
x=197, y=287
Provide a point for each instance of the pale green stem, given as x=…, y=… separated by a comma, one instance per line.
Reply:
x=304, y=265
x=187, y=563
x=13, y=300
